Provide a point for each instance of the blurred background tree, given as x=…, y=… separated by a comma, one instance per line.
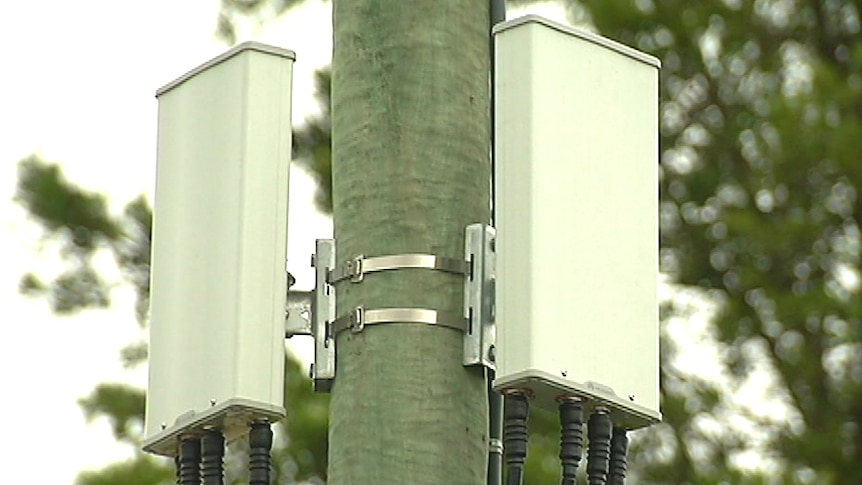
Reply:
x=760, y=119
x=79, y=221
x=79, y=224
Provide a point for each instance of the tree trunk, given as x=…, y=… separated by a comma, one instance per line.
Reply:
x=410, y=137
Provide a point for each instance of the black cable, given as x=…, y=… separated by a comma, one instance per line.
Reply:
x=619, y=448
x=598, y=454
x=189, y=461
x=212, y=458
x=515, y=436
x=495, y=399
x=259, y=459
x=571, y=438
x=495, y=433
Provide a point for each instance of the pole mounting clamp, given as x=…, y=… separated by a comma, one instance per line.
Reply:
x=360, y=317
x=477, y=322
x=356, y=268
x=322, y=312
x=479, y=296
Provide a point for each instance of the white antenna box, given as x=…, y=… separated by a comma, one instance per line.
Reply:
x=577, y=219
x=218, y=279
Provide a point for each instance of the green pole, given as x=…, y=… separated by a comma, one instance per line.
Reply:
x=410, y=138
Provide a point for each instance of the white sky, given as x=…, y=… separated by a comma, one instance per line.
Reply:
x=77, y=87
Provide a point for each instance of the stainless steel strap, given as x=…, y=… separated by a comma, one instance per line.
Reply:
x=356, y=268
x=360, y=317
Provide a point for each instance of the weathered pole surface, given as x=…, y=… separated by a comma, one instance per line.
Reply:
x=410, y=138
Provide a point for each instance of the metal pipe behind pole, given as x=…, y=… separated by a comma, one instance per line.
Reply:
x=495, y=399
x=495, y=432
x=498, y=14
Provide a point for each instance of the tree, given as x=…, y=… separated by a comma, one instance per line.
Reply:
x=760, y=112
x=79, y=223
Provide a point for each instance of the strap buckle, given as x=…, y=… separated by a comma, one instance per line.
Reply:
x=357, y=320
x=354, y=269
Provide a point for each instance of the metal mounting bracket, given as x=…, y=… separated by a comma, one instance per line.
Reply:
x=298, y=313
x=479, y=291
x=314, y=312
x=323, y=312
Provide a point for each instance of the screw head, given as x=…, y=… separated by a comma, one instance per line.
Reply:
x=213, y=402
x=631, y=397
x=492, y=353
x=564, y=373
x=164, y=425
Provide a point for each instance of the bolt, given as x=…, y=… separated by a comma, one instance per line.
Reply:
x=164, y=425
x=213, y=402
x=564, y=373
x=631, y=397
x=492, y=353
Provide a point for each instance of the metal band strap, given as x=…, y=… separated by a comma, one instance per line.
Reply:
x=356, y=320
x=356, y=268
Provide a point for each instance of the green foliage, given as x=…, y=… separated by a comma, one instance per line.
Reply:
x=79, y=287
x=142, y=470
x=761, y=106
x=132, y=251
x=30, y=284
x=304, y=455
x=79, y=221
x=542, y=465
x=305, y=426
x=261, y=11
x=313, y=143
x=59, y=205
x=134, y=354
x=124, y=406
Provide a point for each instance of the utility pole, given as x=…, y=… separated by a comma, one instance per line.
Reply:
x=410, y=139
